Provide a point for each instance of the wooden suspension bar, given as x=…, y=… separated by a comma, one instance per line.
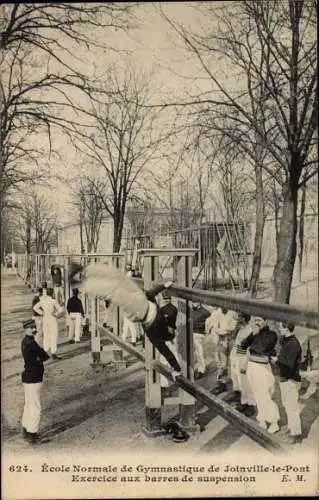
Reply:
x=254, y=307
x=121, y=343
x=82, y=254
x=246, y=425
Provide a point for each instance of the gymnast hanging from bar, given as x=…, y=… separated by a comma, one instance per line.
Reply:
x=139, y=306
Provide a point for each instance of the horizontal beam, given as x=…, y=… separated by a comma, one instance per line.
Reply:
x=166, y=252
x=254, y=307
x=121, y=343
x=76, y=254
x=240, y=421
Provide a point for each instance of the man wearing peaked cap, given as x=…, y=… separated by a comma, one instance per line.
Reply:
x=32, y=378
x=29, y=323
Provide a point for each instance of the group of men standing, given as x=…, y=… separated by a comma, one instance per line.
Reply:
x=253, y=355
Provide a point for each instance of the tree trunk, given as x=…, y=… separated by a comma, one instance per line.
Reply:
x=81, y=237
x=287, y=245
x=28, y=237
x=118, y=221
x=302, y=229
x=260, y=224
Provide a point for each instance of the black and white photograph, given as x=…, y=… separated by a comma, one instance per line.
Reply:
x=159, y=249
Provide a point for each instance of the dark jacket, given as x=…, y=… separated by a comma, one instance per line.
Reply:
x=35, y=300
x=170, y=314
x=33, y=356
x=74, y=305
x=289, y=359
x=199, y=317
x=158, y=332
x=56, y=276
x=261, y=344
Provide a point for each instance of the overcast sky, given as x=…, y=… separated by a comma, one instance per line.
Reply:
x=153, y=48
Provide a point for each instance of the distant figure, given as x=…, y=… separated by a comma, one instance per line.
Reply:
x=56, y=275
x=38, y=317
x=105, y=320
x=32, y=377
x=136, y=273
x=76, y=313
x=49, y=308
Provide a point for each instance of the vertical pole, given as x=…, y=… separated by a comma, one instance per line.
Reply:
x=36, y=271
x=66, y=280
x=185, y=342
x=152, y=381
x=214, y=257
x=117, y=326
x=95, y=332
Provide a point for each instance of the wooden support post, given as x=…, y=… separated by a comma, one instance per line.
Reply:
x=66, y=283
x=185, y=347
x=36, y=283
x=214, y=258
x=95, y=333
x=119, y=315
x=153, y=413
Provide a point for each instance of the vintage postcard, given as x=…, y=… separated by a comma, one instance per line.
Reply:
x=159, y=249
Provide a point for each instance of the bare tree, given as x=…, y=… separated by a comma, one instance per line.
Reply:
x=39, y=68
x=272, y=47
x=90, y=210
x=123, y=144
x=36, y=223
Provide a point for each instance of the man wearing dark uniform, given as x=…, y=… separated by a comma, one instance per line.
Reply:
x=288, y=362
x=170, y=314
x=32, y=378
x=261, y=347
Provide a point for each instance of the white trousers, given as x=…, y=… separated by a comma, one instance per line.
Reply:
x=246, y=393
x=199, y=362
x=289, y=397
x=58, y=294
x=50, y=334
x=32, y=407
x=39, y=326
x=130, y=329
x=172, y=346
x=262, y=383
x=234, y=371
x=75, y=324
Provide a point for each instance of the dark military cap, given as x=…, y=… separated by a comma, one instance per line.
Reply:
x=30, y=323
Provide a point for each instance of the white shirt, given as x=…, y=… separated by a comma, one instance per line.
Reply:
x=47, y=306
x=220, y=323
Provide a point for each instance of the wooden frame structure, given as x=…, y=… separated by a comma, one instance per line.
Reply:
x=42, y=262
x=182, y=266
x=188, y=390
